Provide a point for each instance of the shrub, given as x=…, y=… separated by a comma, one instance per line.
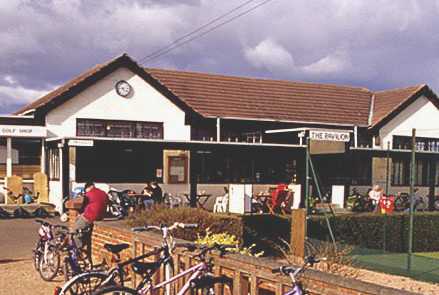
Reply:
x=266, y=231
x=211, y=239
x=216, y=223
x=368, y=230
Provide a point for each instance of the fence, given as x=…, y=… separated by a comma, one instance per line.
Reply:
x=250, y=275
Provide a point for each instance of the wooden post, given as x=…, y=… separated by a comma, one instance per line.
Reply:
x=298, y=234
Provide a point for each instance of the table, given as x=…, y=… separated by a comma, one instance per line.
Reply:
x=138, y=199
x=200, y=203
x=264, y=202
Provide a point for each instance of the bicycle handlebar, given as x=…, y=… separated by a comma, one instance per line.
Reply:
x=286, y=270
x=45, y=223
x=172, y=227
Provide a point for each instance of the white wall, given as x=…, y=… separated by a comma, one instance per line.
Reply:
x=101, y=101
x=55, y=195
x=421, y=114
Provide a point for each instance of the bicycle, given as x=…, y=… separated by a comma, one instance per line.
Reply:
x=293, y=273
x=88, y=282
x=77, y=260
x=201, y=280
x=46, y=237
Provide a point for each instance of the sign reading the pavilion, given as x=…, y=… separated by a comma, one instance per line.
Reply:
x=329, y=135
x=22, y=131
x=328, y=142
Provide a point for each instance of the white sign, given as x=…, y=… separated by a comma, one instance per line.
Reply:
x=81, y=142
x=22, y=131
x=338, y=195
x=240, y=198
x=329, y=135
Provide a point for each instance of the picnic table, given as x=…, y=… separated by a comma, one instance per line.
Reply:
x=201, y=199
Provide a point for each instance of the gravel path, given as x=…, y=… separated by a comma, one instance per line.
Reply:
x=19, y=277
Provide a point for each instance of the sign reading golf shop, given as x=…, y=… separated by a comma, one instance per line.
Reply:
x=22, y=131
x=328, y=141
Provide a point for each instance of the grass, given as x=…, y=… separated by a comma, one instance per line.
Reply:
x=425, y=266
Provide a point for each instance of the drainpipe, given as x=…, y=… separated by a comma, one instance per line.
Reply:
x=218, y=129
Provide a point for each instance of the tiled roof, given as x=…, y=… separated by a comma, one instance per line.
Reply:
x=212, y=95
x=388, y=101
x=237, y=97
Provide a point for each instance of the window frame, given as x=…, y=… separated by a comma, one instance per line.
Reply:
x=134, y=126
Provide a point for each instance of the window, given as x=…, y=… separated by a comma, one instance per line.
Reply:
x=53, y=163
x=177, y=169
x=401, y=172
x=120, y=129
x=436, y=182
x=361, y=169
x=422, y=143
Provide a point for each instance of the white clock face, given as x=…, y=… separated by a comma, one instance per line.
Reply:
x=123, y=88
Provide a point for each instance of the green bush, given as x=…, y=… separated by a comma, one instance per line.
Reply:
x=216, y=223
x=268, y=232
x=369, y=230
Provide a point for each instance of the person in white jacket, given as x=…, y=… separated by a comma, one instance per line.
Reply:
x=375, y=195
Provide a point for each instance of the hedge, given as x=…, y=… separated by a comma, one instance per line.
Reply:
x=368, y=230
x=268, y=232
x=217, y=223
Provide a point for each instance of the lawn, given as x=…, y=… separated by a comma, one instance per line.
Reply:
x=425, y=266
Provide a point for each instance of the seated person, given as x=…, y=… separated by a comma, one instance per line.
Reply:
x=27, y=196
x=157, y=193
x=147, y=198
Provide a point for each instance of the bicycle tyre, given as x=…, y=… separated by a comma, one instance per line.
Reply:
x=51, y=264
x=81, y=284
x=116, y=290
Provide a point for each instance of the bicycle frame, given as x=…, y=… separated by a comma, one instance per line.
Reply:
x=196, y=272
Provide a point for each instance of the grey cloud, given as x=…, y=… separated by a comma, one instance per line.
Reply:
x=376, y=44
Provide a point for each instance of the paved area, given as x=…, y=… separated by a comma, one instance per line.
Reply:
x=17, y=275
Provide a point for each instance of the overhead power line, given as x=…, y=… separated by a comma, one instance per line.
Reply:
x=196, y=30
x=176, y=44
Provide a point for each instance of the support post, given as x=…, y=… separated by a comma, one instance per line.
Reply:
x=317, y=185
x=43, y=156
x=307, y=176
x=218, y=129
x=356, y=136
x=298, y=233
x=8, y=156
x=387, y=194
x=192, y=179
x=412, y=200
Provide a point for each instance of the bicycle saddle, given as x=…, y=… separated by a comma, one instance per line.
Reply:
x=116, y=248
x=142, y=268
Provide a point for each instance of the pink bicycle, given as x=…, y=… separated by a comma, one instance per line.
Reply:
x=201, y=279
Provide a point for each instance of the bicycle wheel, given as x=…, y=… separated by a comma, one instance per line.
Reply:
x=115, y=290
x=49, y=264
x=85, y=283
x=36, y=255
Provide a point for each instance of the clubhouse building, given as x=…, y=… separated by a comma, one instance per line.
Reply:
x=122, y=124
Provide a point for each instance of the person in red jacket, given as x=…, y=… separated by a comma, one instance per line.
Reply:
x=95, y=206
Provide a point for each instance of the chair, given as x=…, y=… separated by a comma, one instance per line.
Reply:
x=221, y=204
x=14, y=189
x=172, y=201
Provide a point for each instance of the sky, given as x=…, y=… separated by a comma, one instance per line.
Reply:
x=374, y=44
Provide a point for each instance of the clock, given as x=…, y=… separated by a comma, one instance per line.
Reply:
x=123, y=88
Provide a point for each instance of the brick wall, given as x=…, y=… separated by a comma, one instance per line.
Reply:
x=250, y=275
